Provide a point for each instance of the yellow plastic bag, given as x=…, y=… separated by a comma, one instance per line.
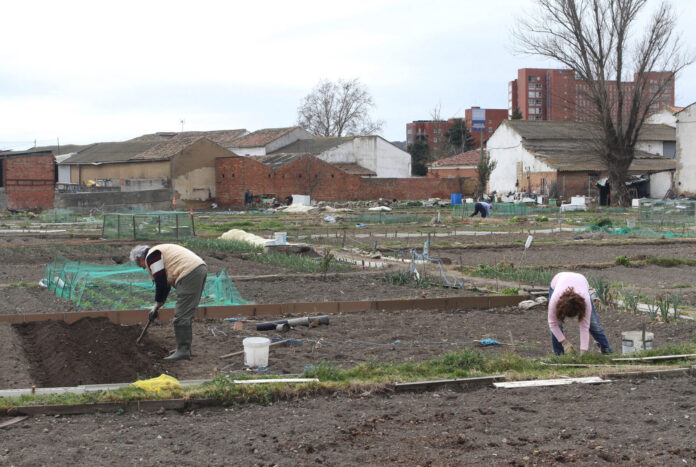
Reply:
x=161, y=383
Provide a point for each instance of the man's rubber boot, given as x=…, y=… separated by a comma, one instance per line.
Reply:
x=183, y=336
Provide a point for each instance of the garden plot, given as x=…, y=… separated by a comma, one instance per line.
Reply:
x=622, y=423
x=59, y=354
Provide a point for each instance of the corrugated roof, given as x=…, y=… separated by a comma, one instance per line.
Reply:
x=110, y=152
x=576, y=158
x=544, y=129
x=167, y=149
x=275, y=161
x=221, y=137
x=260, y=138
x=355, y=169
x=313, y=146
x=465, y=158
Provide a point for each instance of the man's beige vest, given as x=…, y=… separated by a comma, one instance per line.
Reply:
x=178, y=261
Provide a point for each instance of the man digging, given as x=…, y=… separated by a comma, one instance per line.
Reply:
x=173, y=265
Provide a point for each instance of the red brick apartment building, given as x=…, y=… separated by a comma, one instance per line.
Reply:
x=555, y=94
x=433, y=131
x=493, y=118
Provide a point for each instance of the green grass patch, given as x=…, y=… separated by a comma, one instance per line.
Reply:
x=670, y=262
x=299, y=263
x=216, y=244
x=368, y=375
x=247, y=225
x=506, y=271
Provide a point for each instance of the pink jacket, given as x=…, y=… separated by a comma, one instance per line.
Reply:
x=560, y=283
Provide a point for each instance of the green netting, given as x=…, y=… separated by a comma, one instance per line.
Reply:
x=667, y=213
x=58, y=215
x=164, y=225
x=497, y=209
x=95, y=286
x=643, y=232
x=387, y=218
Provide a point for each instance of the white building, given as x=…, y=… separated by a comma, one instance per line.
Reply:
x=686, y=151
x=363, y=155
x=544, y=157
x=267, y=140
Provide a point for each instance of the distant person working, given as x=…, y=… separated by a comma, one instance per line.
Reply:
x=481, y=208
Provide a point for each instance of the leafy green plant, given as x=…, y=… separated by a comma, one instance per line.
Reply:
x=652, y=308
x=675, y=305
x=663, y=306
x=396, y=278
x=623, y=261
x=602, y=287
x=541, y=219
x=601, y=222
x=511, y=291
x=630, y=300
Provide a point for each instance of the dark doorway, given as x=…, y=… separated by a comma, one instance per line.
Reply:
x=605, y=194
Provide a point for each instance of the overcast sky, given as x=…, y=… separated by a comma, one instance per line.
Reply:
x=93, y=71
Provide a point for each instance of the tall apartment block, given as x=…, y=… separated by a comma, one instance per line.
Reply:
x=491, y=119
x=555, y=94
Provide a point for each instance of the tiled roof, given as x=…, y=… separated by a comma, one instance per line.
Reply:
x=110, y=152
x=221, y=137
x=260, y=137
x=544, y=129
x=469, y=158
x=167, y=149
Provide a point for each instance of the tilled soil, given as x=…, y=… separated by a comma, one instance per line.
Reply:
x=89, y=351
x=625, y=422
x=95, y=351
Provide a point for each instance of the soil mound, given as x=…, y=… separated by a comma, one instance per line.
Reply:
x=88, y=351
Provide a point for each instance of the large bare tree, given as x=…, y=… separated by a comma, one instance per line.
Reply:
x=339, y=108
x=613, y=50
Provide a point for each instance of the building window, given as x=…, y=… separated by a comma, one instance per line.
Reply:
x=538, y=86
x=490, y=129
x=531, y=86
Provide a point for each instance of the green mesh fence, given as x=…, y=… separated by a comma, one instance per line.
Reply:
x=644, y=232
x=387, y=218
x=666, y=214
x=165, y=225
x=95, y=286
x=58, y=216
x=497, y=209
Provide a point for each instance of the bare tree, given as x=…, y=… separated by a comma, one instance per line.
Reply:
x=338, y=109
x=592, y=37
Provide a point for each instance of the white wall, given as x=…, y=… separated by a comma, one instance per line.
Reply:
x=373, y=153
x=653, y=147
x=660, y=183
x=199, y=184
x=294, y=135
x=663, y=117
x=686, y=151
x=505, y=147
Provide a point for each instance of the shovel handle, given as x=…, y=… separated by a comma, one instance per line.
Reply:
x=143, y=331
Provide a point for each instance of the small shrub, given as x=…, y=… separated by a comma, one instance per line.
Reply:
x=396, y=278
x=602, y=222
x=623, y=261
x=511, y=291
x=516, y=220
x=542, y=219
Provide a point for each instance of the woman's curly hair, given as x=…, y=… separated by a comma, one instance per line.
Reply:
x=570, y=305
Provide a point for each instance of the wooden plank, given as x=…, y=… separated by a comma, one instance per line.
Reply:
x=279, y=380
x=550, y=382
x=435, y=384
x=652, y=373
x=648, y=359
x=12, y=421
x=130, y=317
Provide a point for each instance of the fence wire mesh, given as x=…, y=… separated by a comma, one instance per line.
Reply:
x=165, y=225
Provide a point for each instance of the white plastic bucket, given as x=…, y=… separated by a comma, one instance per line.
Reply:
x=256, y=351
x=632, y=341
x=281, y=238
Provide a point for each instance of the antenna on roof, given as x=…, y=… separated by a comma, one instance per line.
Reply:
x=182, y=124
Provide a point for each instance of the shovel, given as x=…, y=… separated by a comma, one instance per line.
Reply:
x=149, y=321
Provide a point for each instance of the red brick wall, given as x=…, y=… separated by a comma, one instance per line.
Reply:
x=29, y=181
x=322, y=181
x=494, y=117
x=448, y=173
